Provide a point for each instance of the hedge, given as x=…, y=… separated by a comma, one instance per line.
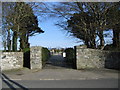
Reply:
x=70, y=56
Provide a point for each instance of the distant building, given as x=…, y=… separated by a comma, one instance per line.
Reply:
x=55, y=51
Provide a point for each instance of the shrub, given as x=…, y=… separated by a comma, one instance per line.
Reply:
x=45, y=55
x=70, y=56
x=26, y=62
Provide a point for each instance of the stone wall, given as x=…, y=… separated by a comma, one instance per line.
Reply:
x=92, y=58
x=36, y=57
x=11, y=60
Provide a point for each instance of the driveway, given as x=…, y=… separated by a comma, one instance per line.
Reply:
x=57, y=62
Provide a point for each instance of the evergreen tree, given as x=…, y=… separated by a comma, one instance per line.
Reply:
x=23, y=24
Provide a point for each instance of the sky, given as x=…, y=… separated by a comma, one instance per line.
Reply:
x=53, y=36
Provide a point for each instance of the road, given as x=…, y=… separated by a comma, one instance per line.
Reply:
x=102, y=83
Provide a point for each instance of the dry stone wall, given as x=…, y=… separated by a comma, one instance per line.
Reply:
x=36, y=57
x=11, y=60
x=92, y=58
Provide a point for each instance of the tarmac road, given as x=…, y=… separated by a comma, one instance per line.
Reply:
x=101, y=83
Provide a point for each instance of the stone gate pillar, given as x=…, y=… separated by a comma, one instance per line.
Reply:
x=36, y=57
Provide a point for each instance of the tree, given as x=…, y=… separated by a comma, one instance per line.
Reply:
x=29, y=24
x=100, y=11
x=6, y=27
x=114, y=23
x=82, y=27
x=23, y=24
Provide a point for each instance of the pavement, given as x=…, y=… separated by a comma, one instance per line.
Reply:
x=53, y=76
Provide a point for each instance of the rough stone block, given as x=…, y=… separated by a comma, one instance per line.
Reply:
x=36, y=57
